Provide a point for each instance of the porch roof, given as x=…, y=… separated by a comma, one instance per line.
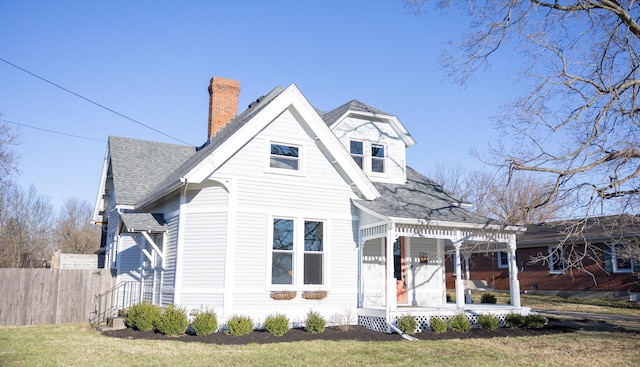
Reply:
x=421, y=198
x=143, y=222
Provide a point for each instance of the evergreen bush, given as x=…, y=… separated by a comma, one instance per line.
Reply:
x=240, y=325
x=534, y=321
x=438, y=325
x=514, y=320
x=314, y=323
x=407, y=324
x=173, y=321
x=488, y=321
x=205, y=323
x=460, y=322
x=142, y=316
x=489, y=298
x=277, y=325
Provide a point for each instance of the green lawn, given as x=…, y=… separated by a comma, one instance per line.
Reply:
x=79, y=345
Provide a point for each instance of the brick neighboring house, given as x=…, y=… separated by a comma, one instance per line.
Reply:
x=605, y=274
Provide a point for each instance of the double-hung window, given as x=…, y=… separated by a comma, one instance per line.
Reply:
x=282, y=253
x=284, y=157
x=621, y=260
x=503, y=259
x=377, y=158
x=356, y=149
x=297, y=255
x=556, y=260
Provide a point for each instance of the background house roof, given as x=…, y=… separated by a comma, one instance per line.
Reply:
x=139, y=165
x=421, y=198
x=606, y=229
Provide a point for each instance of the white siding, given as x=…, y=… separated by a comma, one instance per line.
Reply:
x=170, y=253
x=373, y=131
x=428, y=277
x=373, y=273
x=315, y=192
x=129, y=259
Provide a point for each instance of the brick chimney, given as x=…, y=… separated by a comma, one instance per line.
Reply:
x=223, y=103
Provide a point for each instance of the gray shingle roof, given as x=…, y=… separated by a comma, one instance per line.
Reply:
x=421, y=198
x=223, y=135
x=354, y=105
x=136, y=222
x=139, y=165
x=606, y=228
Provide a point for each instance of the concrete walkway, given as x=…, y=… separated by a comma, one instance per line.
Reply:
x=588, y=316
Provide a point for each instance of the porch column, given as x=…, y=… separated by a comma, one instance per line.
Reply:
x=514, y=283
x=390, y=283
x=459, y=281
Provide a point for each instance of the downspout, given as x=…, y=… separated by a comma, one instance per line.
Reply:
x=395, y=329
x=360, y=277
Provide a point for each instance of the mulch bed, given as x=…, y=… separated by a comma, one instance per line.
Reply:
x=334, y=333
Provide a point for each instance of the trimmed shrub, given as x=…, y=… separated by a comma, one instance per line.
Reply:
x=489, y=298
x=205, y=323
x=277, y=325
x=142, y=316
x=488, y=321
x=173, y=321
x=314, y=323
x=240, y=325
x=407, y=324
x=514, y=320
x=438, y=325
x=460, y=322
x=534, y=321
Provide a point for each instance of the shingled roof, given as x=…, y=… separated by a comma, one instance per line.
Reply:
x=354, y=105
x=421, y=198
x=139, y=165
x=601, y=229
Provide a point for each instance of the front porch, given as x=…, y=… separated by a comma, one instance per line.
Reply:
x=402, y=271
x=375, y=318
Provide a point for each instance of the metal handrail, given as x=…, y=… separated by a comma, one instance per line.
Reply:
x=120, y=297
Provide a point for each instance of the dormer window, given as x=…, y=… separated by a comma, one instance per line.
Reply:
x=377, y=158
x=284, y=157
x=357, y=152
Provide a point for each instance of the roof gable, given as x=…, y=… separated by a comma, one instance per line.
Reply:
x=356, y=108
x=246, y=126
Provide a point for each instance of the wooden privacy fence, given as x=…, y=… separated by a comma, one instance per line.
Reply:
x=50, y=296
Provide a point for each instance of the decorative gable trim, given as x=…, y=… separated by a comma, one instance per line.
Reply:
x=290, y=99
x=395, y=123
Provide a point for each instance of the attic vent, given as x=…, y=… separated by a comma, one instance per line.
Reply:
x=255, y=102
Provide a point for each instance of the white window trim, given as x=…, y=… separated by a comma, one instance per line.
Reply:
x=284, y=171
x=369, y=158
x=552, y=254
x=364, y=152
x=614, y=260
x=298, y=255
x=502, y=265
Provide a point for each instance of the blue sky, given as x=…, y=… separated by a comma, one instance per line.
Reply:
x=152, y=61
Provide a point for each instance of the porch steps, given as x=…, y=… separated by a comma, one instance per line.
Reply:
x=114, y=323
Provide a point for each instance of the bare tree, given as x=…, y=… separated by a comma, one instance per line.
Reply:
x=24, y=227
x=510, y=201
x=73, y=231
x=8, y=157
x=579, y=123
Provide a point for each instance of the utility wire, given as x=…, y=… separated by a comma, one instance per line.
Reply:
x=50, y=131
x=91, y=101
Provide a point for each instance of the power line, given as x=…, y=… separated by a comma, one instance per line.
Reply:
x=51, y=131
x=91, y=101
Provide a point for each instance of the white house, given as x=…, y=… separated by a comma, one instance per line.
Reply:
x=285, y=209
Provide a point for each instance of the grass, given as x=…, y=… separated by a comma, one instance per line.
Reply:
x=79, y=345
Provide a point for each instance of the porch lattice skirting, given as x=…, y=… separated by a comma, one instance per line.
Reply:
x=379, y=324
